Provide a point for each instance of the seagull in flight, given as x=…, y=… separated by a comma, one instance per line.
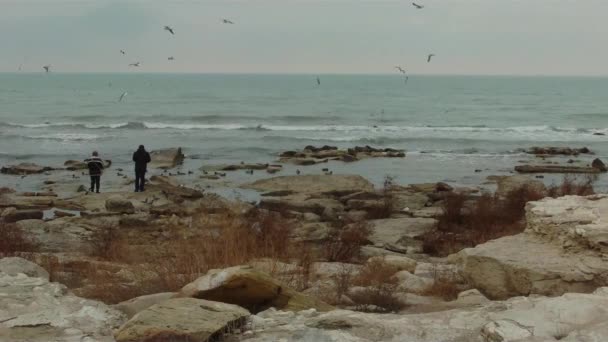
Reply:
x=136, y=64
x=226, y=21
x=46, y=68
x=403, y=72
x=417, y=6
x=122, y=96
x=167, y=28
x=123, y=52
x=428, y=58
x=171, y=58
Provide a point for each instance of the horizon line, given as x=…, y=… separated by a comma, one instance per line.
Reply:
x=297, y=74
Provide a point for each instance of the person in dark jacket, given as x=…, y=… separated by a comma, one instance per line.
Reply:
x=141, y=157
x=95, y=165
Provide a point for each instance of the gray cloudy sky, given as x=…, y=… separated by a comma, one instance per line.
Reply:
x=531, y=37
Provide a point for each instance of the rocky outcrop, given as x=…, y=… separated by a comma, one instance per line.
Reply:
x=519, y=319
x=564, y=151
x=14, y=215
x=599, y=164
x=183, y=319
x=34, y=310
x=562, y=250
x=24, y=169
x=166, y=158
x=119, y=204
x=311, y=155
x=74, y=165
x=344, y=184
x=556, y=169
x=249, y=288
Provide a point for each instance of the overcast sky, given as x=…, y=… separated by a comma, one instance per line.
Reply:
x=531, y=37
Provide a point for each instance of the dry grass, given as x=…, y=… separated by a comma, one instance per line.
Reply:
x=467, y=224
x=388, y=201
x=13, y=240
x=443, y=287
x=573, y=185
x=345, y=240
x=380, y=287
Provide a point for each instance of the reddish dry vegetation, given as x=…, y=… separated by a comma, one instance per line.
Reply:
x=345, y=240
x=13, y=240
x=467, y=222
x=379, y=288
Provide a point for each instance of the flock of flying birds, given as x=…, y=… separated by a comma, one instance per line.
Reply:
x=169, y=29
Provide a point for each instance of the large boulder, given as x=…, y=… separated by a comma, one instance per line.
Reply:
x=34, y=310
x=183, y=319
x=249, y=288
x=166, y=158
x=24, y=169
x=599, y=164
x=562, y=250
x=119, y=204
x=314, y=184
x=568, y=318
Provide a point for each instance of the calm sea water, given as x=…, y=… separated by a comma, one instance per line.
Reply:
x=449, y=125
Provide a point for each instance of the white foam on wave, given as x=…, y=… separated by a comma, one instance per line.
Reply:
x=66, y=137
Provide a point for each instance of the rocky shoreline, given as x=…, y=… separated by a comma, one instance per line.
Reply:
x=323, y=256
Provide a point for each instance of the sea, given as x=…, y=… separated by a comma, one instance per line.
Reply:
x=459, y=129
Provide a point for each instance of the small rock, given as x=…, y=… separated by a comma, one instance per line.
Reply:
x=120, y=205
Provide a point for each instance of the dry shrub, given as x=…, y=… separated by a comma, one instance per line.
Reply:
x=484, y=218
x=229, y=241
x=14, y=240
x=380, y=285
x=444, y=287
x=345, y=240
x=388, y=201
x=573, y=185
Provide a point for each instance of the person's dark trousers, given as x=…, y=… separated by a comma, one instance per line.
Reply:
x=140, y=179
x=95, y=183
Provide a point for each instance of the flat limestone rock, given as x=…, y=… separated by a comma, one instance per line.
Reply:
x=555, y=169
x=313, y=184
x=34, y=310
x=520, y=319
x=400, y=231
x=182, y=319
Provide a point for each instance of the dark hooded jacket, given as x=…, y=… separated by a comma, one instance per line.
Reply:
x=141, y=157
x=95, y=165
